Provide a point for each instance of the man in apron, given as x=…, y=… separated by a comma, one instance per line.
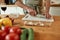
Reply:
x=32, y=11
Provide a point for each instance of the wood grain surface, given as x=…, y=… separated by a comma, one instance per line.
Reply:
x=43, y=33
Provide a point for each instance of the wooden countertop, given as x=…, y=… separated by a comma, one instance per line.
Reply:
x=44, y=33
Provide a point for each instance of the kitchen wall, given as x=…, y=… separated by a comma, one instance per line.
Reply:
x=56, y=1
x=55, y=10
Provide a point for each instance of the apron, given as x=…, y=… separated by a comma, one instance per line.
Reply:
x=34, y=4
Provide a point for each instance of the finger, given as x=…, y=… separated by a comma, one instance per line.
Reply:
x=48, y=16
x=35, y=13
x=32, y=13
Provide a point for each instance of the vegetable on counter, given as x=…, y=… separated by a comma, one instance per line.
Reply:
x=16, y=30
x=10, y=32
x=6, y=29
x=2, y=35
x=12, y=36
x=1, y=20
x=16, y=33
x=24, y=34
x=31, y=34
x=28, y=32
x=5, y=21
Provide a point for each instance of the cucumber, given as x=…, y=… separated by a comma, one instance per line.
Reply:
x=30, y=34
x=24, y=34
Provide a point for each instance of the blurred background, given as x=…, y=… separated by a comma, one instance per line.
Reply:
x=54, y=9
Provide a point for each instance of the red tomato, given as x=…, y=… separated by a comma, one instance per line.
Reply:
x=2, y=35
x=6, y=29
x=12, y=36
x=16, y=30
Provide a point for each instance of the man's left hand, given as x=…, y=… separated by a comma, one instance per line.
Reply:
x=48, y=16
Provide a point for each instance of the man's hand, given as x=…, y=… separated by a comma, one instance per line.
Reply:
x=31, y=11
x=48, y=16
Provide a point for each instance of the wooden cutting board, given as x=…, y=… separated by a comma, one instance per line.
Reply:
x=37, y=18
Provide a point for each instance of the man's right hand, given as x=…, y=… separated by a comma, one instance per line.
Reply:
x=31, y=11
x=48, y=16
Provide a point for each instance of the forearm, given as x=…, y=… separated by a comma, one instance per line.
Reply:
x=47, y=5
x=30, y=10
x=20, y=4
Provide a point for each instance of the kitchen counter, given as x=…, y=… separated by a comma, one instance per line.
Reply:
x=43, y=33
